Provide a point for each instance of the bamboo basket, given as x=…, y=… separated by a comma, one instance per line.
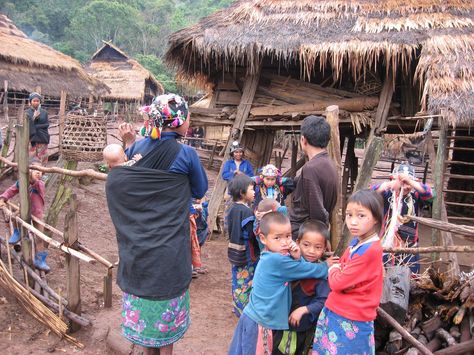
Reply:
x=84, y=138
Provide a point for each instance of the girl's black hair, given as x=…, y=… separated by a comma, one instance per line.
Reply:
x=370, y=200
x=238, y=186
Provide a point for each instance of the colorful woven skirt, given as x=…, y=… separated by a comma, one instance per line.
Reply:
x=40, y=152
x=242, y=277
x=155, y=324
x=338, y=335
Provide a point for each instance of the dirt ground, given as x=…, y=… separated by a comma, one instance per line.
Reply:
x=212, y=321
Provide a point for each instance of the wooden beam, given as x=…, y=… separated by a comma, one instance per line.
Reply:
x=444, y=226
x=23, y=134
x=72, y=264
x=62, y=117
x=437, y=162
x=108, y=278
x=432, y=249
x=352, y=104
x=334, y=150
x=243, y=110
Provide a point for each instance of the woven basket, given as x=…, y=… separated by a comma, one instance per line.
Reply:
x=84, y=138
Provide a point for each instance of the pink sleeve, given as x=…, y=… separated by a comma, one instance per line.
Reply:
x=355, y=271
x=10, y=192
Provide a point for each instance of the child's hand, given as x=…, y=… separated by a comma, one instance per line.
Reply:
x=137, y=157
x=295, y=251
x=296, y=315
x=332, y=260
x=2, y=202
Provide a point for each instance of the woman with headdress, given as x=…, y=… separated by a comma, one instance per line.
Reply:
x=39, y=124
x=403, y=196
x=149, y=206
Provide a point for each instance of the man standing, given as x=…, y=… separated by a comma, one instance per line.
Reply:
x=316, y=190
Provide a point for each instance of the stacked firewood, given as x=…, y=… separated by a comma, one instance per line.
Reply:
x=439, y=316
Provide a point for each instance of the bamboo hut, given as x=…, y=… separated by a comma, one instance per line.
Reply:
x=130, y=83
x=387, y=66
x=27, y=65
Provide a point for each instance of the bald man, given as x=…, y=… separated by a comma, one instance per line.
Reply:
x=114, y=155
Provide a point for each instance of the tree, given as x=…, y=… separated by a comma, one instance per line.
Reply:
x=103, y=20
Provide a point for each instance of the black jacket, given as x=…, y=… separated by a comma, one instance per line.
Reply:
x=38, y=127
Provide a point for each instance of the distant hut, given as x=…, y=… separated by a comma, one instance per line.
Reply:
x=130, y=83
x=271, y=62
x=31, y=66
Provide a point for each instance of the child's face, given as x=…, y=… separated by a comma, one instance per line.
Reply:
x=278, y=239
x=360, y=221
x=35, y=176
x=312, y=246
x=249, y=195
x=269, y=181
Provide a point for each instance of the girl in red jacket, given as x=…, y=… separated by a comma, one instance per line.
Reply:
x=346, y=323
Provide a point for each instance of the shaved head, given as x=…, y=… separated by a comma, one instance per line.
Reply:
x=114, y=155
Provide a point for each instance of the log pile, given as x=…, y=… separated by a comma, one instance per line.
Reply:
x=440, y=317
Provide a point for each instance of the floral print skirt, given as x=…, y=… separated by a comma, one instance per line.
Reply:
x=242, y=277
x=153, y=323
x=338, y=335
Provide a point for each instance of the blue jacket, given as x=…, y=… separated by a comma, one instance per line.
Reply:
x=187, y=162
x=230, y=167
x=270, y=299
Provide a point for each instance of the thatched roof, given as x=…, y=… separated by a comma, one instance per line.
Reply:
x=346, y=35
x=127, y=79
x=27, y=64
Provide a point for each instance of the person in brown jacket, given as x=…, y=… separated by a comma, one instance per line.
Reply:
x=316, y=187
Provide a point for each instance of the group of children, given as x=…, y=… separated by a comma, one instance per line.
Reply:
x=290, y=296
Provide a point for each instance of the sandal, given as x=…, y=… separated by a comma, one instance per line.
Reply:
x=201, y=270
x=195, y=274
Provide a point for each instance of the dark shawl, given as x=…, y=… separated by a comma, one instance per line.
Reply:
x=149, y=207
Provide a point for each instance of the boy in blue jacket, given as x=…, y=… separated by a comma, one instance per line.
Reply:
x=270, y=300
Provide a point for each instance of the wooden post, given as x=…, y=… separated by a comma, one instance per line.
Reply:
x=334, y=150
x=23, y=136
x=72, y=264
x=90, y=103
x=108, y=288
x=62, y=118
x=374, y=147
x=437, y=162
x=7, y=138
x=294, y=153
x=438, y=178
x=243, y=110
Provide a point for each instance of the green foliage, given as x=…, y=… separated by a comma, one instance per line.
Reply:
x=139, y=27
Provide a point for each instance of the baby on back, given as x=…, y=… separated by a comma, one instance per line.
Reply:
x=114, y=155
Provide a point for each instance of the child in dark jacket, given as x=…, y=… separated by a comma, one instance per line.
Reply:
x=243, y=251
x=308, y=295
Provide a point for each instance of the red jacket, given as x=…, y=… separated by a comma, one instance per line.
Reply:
x=356, y=287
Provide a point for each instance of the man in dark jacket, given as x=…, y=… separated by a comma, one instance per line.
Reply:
x=39, y=124
x=316, y=188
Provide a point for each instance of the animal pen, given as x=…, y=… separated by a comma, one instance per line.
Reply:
x=82, y=138
x=394, y=74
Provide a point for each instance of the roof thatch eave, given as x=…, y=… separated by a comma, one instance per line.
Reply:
x=344, y=35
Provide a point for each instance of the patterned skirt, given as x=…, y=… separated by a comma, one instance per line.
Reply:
x=155, y=324
x=40, y=152
x=242, y=277
x=338, y=335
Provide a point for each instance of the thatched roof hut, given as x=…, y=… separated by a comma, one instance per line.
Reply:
x=430, y=40
x=127, y=79
x=27, y=65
